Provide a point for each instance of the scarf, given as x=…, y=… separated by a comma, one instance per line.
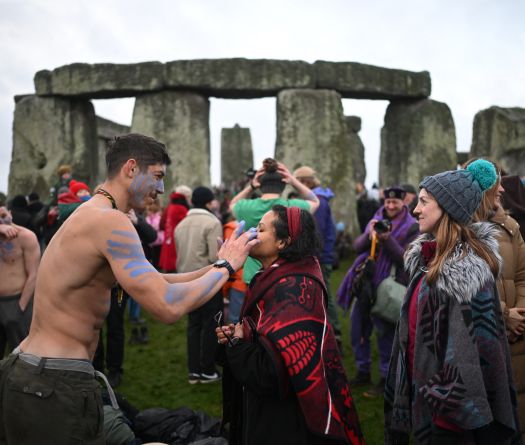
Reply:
x=285, y=303
x=401, y=225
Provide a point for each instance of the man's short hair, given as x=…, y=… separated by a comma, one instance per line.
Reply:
x=144, y=149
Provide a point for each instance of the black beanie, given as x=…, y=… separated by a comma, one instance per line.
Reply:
x=272, y=183
x=202, y=196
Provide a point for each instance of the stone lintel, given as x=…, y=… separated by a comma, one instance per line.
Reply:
x=359, y=81
x=235, y=78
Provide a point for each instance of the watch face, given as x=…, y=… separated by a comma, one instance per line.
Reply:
x=220, y=262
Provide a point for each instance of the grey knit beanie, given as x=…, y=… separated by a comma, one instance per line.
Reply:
x=459, y=192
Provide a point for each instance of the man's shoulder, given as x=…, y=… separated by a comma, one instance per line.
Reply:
x=25, y=235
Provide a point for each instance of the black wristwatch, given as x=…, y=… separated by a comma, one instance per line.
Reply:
x=223, y=263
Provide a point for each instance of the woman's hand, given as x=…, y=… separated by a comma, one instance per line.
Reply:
x=238, y=331
x=516, y=321
x=225, y=332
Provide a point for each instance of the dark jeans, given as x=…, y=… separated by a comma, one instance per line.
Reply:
x=330, y=305
x=14, y=324
x=202, y=340
x=48, y=406
x=115, y=337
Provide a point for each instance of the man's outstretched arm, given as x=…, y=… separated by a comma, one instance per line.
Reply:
x=164, y=300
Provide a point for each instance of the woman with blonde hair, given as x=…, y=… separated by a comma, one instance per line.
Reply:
x=450, y=379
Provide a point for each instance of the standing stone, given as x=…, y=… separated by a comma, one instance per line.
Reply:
x=357, y=149
x=311, y=130
x=106, y=130
x=418, y=139
x=48, y=132
x=499, y=133
x=179, y=120
x=236, y=154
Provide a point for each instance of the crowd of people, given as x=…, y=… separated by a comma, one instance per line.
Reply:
x=439, y=276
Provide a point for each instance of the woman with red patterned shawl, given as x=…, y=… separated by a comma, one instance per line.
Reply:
x=284, y=381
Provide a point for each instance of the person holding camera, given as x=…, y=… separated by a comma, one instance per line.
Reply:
x=394, y=228
x=270, y=179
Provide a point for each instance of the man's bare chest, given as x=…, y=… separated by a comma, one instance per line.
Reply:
x=10, y=252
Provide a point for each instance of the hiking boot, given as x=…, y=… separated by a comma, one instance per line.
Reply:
x=376, y=390
x=361, y=379
x=210, y=378
x=193, y=378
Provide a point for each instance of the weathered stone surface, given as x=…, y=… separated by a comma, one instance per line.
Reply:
x=356, y=147
x=232, y=78
x=48, y=132
x=417, y=140
x=311, y=130
x=101, y=80
x=359, y=81
x=179, y=120
x=106, y=130
x=236, y=154
x=499, y=133
x=239, y=78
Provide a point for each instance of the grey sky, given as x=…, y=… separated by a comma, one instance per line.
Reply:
x=474, y=51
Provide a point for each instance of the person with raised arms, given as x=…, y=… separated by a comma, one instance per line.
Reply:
x=48, y=389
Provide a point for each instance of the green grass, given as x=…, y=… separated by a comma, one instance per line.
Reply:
x=155, y=374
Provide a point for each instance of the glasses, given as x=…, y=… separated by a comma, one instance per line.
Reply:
x=219, y=320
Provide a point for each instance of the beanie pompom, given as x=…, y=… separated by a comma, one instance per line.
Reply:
x=484, y=173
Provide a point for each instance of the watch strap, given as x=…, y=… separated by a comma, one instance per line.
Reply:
x=225, y=264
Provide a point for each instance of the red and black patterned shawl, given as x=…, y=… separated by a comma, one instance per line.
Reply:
x=287, y=305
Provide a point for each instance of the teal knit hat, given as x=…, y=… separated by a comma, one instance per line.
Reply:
x=459, y=192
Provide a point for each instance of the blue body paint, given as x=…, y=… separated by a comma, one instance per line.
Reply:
x=240, y=228
x=175, y=293
x=130, y=251
x=132, y=235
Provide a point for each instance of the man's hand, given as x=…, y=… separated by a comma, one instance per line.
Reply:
x=8, y=232
x=285, y=173
x=516, y=320
x=236, y=249
x=255, y=182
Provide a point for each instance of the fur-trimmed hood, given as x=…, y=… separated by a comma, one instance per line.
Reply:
x=463, y=276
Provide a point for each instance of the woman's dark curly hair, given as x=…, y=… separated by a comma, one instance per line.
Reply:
x=306, y=244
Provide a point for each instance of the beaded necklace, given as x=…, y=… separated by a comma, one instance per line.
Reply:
x=108, y=195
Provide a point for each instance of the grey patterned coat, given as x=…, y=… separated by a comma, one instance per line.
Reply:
x=461, y=373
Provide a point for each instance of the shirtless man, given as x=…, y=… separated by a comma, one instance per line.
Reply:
x=48, y=393
x=19, y=258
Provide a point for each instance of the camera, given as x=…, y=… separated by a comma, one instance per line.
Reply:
x=250, y=173
x=383, y=226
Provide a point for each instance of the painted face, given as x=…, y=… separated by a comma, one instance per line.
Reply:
x=145, y=186
x=5, y=216
x=393, y=206
x=269, y=245
x=427, y=212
